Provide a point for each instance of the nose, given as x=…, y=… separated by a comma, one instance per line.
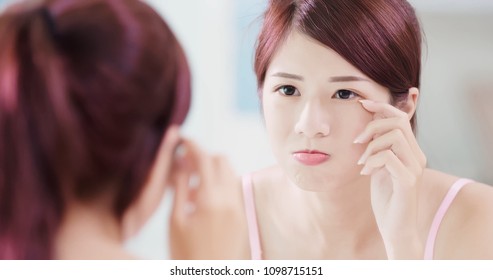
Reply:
x=313, y=121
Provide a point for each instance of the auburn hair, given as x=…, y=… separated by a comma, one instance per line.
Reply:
x=87, y=91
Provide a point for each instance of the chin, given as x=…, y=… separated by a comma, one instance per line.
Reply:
x=315, y=180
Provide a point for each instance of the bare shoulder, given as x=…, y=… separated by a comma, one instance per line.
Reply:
x=262, y=182
x=466, y=231
x=266, y=181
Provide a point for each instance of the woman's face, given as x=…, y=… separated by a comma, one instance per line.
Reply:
x=312, y=114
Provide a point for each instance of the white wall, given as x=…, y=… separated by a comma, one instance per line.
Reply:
x=457, y=69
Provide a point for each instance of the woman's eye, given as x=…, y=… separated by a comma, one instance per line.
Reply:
x=288, y=90
x=345, y=94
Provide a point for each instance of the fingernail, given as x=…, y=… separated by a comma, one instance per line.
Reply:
x=180, y=151
x=366, y=101
x=365, y=171
x=179, y=156
x=194, y=181
x=359, y=139
x=361, y=160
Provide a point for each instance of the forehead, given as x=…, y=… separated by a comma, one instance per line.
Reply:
x=301, y=53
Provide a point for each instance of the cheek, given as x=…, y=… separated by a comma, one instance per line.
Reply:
x=350, y=122
x=278, y=118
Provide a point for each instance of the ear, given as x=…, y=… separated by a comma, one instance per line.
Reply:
x=410, y=105
x=152, y=193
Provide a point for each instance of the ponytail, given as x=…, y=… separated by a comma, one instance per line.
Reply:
x=30, y=206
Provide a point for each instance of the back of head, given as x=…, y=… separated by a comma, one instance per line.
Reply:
x=87, y=90
x=382, y=38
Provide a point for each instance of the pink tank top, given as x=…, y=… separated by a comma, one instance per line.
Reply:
x=253, y=232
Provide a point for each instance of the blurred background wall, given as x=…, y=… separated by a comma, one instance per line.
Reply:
x=455, y=119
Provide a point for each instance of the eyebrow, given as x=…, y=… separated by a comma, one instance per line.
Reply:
x=347, y=79
x=288, y=76
x=336, y=79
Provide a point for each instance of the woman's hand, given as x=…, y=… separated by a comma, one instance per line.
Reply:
x=395, y=163
x=207, y=219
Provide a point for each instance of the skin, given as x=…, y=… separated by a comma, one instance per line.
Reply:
x=374, y=198
x=207, y=221
x=215, y=229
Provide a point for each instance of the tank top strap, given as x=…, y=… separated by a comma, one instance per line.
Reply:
x=442, y=210
x=251, y=215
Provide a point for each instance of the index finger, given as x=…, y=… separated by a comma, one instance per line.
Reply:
x=198, y=162
x=384, y=110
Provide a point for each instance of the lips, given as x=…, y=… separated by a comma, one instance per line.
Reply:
x=310, y=157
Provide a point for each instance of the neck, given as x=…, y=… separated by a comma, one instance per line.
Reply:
x=89, y=232
x=345, y=209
